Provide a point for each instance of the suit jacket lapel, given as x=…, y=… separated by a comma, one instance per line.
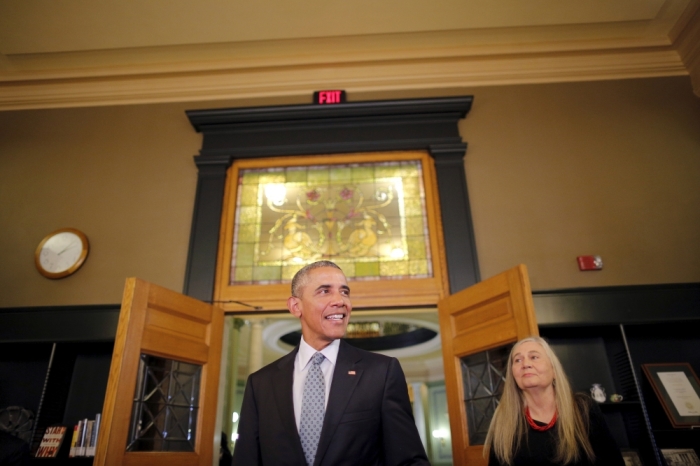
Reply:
x=342, y=388
x=285, y=400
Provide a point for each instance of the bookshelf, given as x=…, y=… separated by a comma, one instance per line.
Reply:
x=55, y=360
x=604, y=335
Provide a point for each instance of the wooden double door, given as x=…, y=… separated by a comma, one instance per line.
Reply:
x=168, y=353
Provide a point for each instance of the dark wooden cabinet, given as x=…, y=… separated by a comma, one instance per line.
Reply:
x=55, y=363
x=604, y=336
x=665, y=343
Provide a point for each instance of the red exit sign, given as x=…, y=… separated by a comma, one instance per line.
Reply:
x=329, y=97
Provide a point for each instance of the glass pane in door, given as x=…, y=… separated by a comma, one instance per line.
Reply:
x=483, y=375
x=166, y=404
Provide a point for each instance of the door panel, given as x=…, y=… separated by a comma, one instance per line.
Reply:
x=477, y=326
x=182, y=333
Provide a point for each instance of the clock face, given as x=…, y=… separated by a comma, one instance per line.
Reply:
x=61, y=253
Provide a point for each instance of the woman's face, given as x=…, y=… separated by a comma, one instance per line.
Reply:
x=531, y=367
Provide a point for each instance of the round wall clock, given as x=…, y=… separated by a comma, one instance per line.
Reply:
x=61, y=253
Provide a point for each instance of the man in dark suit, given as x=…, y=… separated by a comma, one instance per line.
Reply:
x=367, y=418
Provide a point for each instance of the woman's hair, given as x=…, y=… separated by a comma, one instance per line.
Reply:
x=509, y=428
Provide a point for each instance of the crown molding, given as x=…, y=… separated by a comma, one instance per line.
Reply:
x=366, y=64
x=360, y=77
x=688, y=45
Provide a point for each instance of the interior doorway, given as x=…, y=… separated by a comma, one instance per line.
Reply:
x=410, y=335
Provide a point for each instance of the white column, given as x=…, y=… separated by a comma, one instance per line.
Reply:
x=418, y=412
x=255, y=354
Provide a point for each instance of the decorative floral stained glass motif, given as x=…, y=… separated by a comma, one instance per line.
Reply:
x=369, y=218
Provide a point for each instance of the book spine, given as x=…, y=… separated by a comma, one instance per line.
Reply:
x=96, y=429
x=89, y=432
x=74, y=443
x=80, y=451
x=93, y=440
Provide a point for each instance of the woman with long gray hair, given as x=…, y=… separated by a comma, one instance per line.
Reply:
x=540, y=421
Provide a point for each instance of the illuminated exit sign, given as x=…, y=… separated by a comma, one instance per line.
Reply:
x=329, y=97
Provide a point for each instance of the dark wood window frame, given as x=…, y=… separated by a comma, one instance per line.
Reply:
x=418, y=124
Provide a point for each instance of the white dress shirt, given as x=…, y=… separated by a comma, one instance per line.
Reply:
x=301, y=369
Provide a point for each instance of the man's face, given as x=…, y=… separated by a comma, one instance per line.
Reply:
x=323, y=306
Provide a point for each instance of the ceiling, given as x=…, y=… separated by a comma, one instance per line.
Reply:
x=59, y=53
x=60, y=26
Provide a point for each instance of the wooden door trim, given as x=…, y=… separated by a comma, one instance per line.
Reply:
x=123, y=373
x=143, y=330
x=508, y=317
x=371, y=293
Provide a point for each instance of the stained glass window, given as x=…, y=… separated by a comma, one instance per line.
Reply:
x=369, y=218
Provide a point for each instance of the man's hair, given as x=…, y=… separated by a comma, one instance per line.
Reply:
x=302, y=276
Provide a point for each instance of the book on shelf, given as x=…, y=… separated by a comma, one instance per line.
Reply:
x=95, y=428
x=82, y=430
x=680, y=457
x=51, y=442
x=73, y=442
x=84, y=442
x=90, y=424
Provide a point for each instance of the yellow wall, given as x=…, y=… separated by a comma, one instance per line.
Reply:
x=610, y=169
x=554, y=171
x=122, y=175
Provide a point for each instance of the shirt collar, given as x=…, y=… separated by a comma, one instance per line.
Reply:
x=306, y=352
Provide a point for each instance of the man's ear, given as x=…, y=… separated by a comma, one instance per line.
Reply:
x=294, y=306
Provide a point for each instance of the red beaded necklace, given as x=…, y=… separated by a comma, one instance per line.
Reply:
x=538, y=427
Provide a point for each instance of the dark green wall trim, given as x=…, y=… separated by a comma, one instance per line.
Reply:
x=59, y=323
x=206, y=221
x=618, y=305
x=458, y=229
x=323, y=129
x=417, y=124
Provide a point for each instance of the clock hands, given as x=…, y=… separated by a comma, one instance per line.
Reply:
x=67, y=247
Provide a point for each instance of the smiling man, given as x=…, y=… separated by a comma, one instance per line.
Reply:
x=327, y=402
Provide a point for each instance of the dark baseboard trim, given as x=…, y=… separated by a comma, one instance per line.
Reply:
x=59, y=323
x=633, y=304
